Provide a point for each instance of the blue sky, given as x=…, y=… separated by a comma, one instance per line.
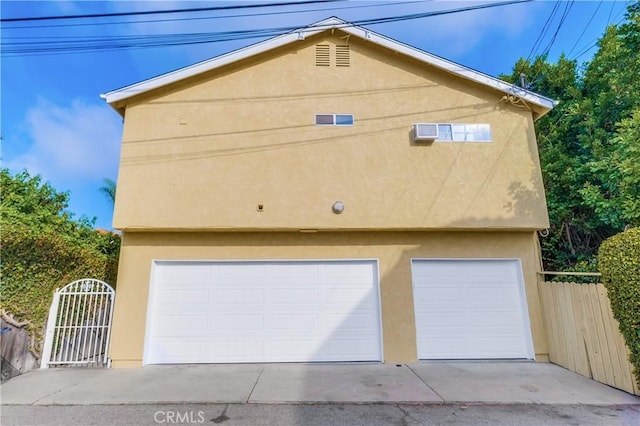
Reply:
x=55, y=124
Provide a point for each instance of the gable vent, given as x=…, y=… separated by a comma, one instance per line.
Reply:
x=323, y=55
x=343, y=58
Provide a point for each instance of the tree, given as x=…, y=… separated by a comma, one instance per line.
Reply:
x=588, y=144
x=109, y=190
x=616, y=199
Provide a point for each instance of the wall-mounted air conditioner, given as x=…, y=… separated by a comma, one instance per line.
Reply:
x=425, y=131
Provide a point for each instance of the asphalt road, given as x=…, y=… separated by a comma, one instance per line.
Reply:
x=321, y=414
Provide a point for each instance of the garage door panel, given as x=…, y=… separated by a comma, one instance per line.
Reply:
x=233, y=296
x=292, y=321
x=232, y=350
x=170, y=351
x=238, y=322
x=482, y=351
x=293, y=272
x=349, y=296
x=353, y=322
x=192, y=297
x=266, y=311
x=294, y=296
x=355, y=272
x=468, y=309
x=192, y=273
x=478, y=333
x=232, y=273
x=173, y=324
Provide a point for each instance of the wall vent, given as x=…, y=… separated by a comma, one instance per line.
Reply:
x=323, y=55
x=343, y=58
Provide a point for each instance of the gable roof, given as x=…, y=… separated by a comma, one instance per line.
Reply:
x=543, y=103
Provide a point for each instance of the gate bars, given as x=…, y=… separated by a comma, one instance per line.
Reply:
x=79, y=325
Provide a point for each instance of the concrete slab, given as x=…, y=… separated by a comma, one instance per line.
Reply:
x=147, y=385
x=340, y=383
x=37, y=384
x=515, y=383
x=430, y=382
x=151, y=384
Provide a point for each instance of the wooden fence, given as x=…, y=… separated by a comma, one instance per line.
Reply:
x=583, y=334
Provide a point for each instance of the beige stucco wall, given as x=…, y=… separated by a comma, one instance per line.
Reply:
x=394, y=251
x=203, y=153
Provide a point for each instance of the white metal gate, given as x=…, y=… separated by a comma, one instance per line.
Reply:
x=79, y=325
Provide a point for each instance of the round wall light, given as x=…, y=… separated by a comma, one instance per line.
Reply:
x=338, y=207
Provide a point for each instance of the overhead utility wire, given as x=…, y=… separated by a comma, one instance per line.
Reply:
x=595, y=41
x=199, y=18
x=157, y=40
x=565, y=14
x=158, y=12
x=543, y=31
x=585, y=28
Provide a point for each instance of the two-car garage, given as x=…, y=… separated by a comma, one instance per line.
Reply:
x=330, y=310
x=263, y=311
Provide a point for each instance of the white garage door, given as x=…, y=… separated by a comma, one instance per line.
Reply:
x=263, y=311
x=470, y=309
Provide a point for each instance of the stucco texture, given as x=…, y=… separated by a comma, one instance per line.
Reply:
x=393, y=250
x=205, y=152
x=199, y=156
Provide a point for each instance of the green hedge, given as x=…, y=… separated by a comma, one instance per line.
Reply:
x=34, y=264
x=619, y=263
x=44, y=248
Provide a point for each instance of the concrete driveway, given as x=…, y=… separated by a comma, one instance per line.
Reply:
x=427, y=382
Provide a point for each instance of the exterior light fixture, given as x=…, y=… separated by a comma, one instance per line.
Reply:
x=338, y=207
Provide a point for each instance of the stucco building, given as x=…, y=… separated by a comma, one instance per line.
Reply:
x=328, y=195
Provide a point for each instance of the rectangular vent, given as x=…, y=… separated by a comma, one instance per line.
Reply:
x=343, y=56
x=323, y=55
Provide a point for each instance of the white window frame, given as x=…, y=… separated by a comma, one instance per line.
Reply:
x=472, y=132
x=334, y=121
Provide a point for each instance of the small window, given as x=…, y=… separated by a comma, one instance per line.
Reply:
x=444, y=132
x=334, y=119
x=463, y=132
x=344, y=120
x=324, y=119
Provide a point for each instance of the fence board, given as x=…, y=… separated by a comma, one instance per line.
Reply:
x=547, y=306
x=599, y=338
x=618, y=350
x=568, y=325
x=583, y=335
x=579, y=354
x=563, y=359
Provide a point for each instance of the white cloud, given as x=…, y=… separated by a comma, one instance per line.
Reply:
x=70, y=142
x=460, y=33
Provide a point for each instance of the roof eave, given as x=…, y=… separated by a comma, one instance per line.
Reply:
x=124, y=93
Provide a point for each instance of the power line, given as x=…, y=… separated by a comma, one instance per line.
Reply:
x=158, y=40
x=585, y=28
x=594, y=42
x=158, y=12
x=544, y=30
x=198, y=18
x=564, y=16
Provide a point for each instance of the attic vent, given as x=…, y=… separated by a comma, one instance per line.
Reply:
x=323, y=55
x=342, y=56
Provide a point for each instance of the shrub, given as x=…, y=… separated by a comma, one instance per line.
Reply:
x=619, y=263
x=44, y=248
